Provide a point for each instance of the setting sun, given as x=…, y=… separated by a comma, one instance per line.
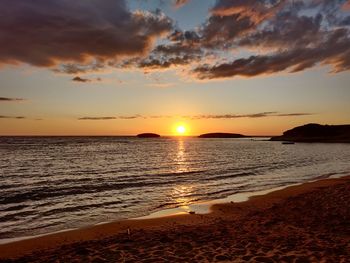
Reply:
x=181, y=129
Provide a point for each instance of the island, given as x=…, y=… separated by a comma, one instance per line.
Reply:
x=314, y=132
x=148, y=135
x=221, y=135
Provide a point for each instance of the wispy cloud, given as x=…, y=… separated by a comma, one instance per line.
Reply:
x=6, y=99
x=84, y=80
x=180, y=3
x=104, y=118
x=137, y=116
x=253, y=115
x=13, y=117
x=97, y=118
x=161, y=85
x=203, y=116
x=293, y=114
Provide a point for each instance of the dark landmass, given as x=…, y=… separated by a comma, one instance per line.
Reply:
x=221, y=135
x=316, y=133
x=148, y=135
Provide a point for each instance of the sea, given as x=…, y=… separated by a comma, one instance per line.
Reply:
x=50, y=184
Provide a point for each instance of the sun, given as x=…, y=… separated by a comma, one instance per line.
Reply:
x=181, y=129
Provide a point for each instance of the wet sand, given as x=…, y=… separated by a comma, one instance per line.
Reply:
x=303, y=223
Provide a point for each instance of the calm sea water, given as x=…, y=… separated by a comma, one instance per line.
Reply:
x=49, y=184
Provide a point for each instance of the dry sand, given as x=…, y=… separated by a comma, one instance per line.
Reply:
x=304, y=223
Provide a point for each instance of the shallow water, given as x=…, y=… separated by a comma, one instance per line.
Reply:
x=50, y=184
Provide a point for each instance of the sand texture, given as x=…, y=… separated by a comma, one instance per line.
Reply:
x=305, y=223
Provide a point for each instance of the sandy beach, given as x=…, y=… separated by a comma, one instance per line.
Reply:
x=303, y=223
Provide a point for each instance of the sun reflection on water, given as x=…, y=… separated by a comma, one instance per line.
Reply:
x=182, y=193
x=180, y=159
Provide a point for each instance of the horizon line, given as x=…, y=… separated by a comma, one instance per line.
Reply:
x=120, y=135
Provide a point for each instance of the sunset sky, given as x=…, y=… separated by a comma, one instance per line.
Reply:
x=115, y=67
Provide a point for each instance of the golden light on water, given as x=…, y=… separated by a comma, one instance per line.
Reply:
x=182, y=192
x=181, y=195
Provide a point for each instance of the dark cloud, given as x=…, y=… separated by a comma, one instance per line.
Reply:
x=282, y=35
x=47, y=33
x=184, y=37
x=345, y=21
x=79, y=79
x=239, y=38
x=12, y=117
x=287, y=31
x=219, y=31
x=76, y=68
x=183, y=49
x=335, y=51
x=176, y=49
x=6, y=99
x=111, y=118
x=164, y=62
x=286, y=35
x=84, y=80
x=234, y=19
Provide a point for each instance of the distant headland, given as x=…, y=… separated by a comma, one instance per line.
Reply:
x=148, y=135
x=316, y=133
x=222, y=135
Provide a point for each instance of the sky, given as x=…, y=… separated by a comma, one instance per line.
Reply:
x=123, y=67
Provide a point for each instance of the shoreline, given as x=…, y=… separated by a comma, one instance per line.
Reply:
x=126, y=228
x=199, y=208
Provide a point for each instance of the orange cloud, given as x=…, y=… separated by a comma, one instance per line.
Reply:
x=346, y=5
x=256, y=10
x=180, y=3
